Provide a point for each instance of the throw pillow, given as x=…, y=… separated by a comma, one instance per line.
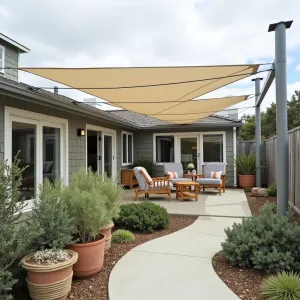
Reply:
x=173, y=175
x=215, y=175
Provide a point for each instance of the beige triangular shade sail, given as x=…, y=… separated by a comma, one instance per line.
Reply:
x=129, y=88
x=194, y=110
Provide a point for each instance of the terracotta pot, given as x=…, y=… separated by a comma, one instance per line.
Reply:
x=49, y=282
x=106, y=230
x=90, y=257
x=246, y=181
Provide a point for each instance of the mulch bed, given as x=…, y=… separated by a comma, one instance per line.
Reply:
x=96, y=287
x=245, y=282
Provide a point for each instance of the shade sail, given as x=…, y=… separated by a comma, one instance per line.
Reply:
x=150, y=91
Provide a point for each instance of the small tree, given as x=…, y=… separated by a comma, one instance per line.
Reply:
x=51, y=218
x=14, y=242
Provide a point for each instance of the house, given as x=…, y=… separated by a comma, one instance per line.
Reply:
x=55, y=135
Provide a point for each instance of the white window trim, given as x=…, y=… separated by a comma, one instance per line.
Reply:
x=127, y=134
x=2, y=70
x=39, y=120
x=101, y=132
x=199, y=135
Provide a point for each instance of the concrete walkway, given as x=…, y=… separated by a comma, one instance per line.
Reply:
x=178, y=266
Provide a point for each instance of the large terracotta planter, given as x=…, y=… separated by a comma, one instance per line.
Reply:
x=246, y=181
x=90, y=257
x=106, y=230
x=49, y=282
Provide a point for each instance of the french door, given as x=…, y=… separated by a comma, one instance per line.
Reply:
x=189, y=149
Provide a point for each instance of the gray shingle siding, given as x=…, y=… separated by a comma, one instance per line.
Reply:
x=10, y=61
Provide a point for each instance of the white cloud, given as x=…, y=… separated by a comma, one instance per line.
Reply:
x=73, y=33
x=298, y=68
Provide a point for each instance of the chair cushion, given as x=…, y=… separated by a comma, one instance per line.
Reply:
x=146, y=175
x=214, y=167
x=180, y=179
x=173, y=167
x=173, y=175
x=209, y=181
x=216, y=175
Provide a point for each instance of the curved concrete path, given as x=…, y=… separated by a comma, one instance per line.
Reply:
x=177, y=266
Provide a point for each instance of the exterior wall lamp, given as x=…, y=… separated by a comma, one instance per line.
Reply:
x=80, y=132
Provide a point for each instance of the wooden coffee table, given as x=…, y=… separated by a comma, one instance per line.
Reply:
x=184, y=190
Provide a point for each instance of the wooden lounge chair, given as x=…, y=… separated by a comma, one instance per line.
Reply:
x=148, y=185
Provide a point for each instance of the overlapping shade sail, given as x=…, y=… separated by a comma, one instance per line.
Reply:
x=165, y=93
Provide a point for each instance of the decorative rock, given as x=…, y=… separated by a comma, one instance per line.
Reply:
x=259, y=192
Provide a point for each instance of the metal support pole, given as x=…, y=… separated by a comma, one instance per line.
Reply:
x=257, y=132
x=282, y=154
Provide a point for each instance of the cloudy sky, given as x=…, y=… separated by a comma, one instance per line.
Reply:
x=98, y=33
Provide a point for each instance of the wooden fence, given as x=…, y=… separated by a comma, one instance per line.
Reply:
x=268, y=163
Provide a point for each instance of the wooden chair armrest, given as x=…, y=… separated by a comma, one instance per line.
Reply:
x=160, y=179
x=167, y=175
x=199, y=176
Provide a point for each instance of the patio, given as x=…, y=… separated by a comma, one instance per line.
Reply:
x=232, y=203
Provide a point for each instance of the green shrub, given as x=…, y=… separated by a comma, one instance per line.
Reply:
x=50, y=216
x=6, y=285
x=148, y=163
x=123, y=236
x=268, y=242
x=283, y=286
x=86, y=205
x=143, y=217
x=245, y=164
x=272, y=189
x=14, y=240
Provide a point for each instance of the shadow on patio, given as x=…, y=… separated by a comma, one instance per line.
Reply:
x=232, y=203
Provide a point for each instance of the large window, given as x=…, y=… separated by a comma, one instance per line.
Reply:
x=41, y=145
x=2, y=57
x=213, y=148
x=165, y=148
x=127, y=148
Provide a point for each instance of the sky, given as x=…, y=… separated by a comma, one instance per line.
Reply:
x=131, y=33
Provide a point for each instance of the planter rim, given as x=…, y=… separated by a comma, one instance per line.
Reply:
x=90, y=244
x=49, y=268
x=108, y=226
x=247, y=174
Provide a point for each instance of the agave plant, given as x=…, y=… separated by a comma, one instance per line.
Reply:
x=283, y=286
x=245, y=164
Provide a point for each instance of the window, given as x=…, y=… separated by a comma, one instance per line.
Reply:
x=213, y=148
x=41, y=145
x=2, y=56
x=165, y=149
x=127, y=148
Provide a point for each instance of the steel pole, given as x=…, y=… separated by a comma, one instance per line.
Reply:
x=257, y=132
x=282, y=158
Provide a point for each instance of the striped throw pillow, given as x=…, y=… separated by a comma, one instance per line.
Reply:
x=173, y=175
x=215, y=175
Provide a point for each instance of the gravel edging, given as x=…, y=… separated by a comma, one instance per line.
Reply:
x=245, y=283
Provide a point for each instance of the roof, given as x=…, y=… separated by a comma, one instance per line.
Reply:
x=22, y=48
x=120, y=117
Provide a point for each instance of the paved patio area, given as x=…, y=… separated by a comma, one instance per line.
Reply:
x=232, y=203
x=178, y=266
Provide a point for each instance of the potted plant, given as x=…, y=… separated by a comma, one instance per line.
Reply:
x=49, y=268
x=86, y=206
x=113, y=193
x=190, y=167
x=246, y=168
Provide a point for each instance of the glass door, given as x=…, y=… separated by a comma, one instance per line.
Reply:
x=189, y=152
x=108, y=156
